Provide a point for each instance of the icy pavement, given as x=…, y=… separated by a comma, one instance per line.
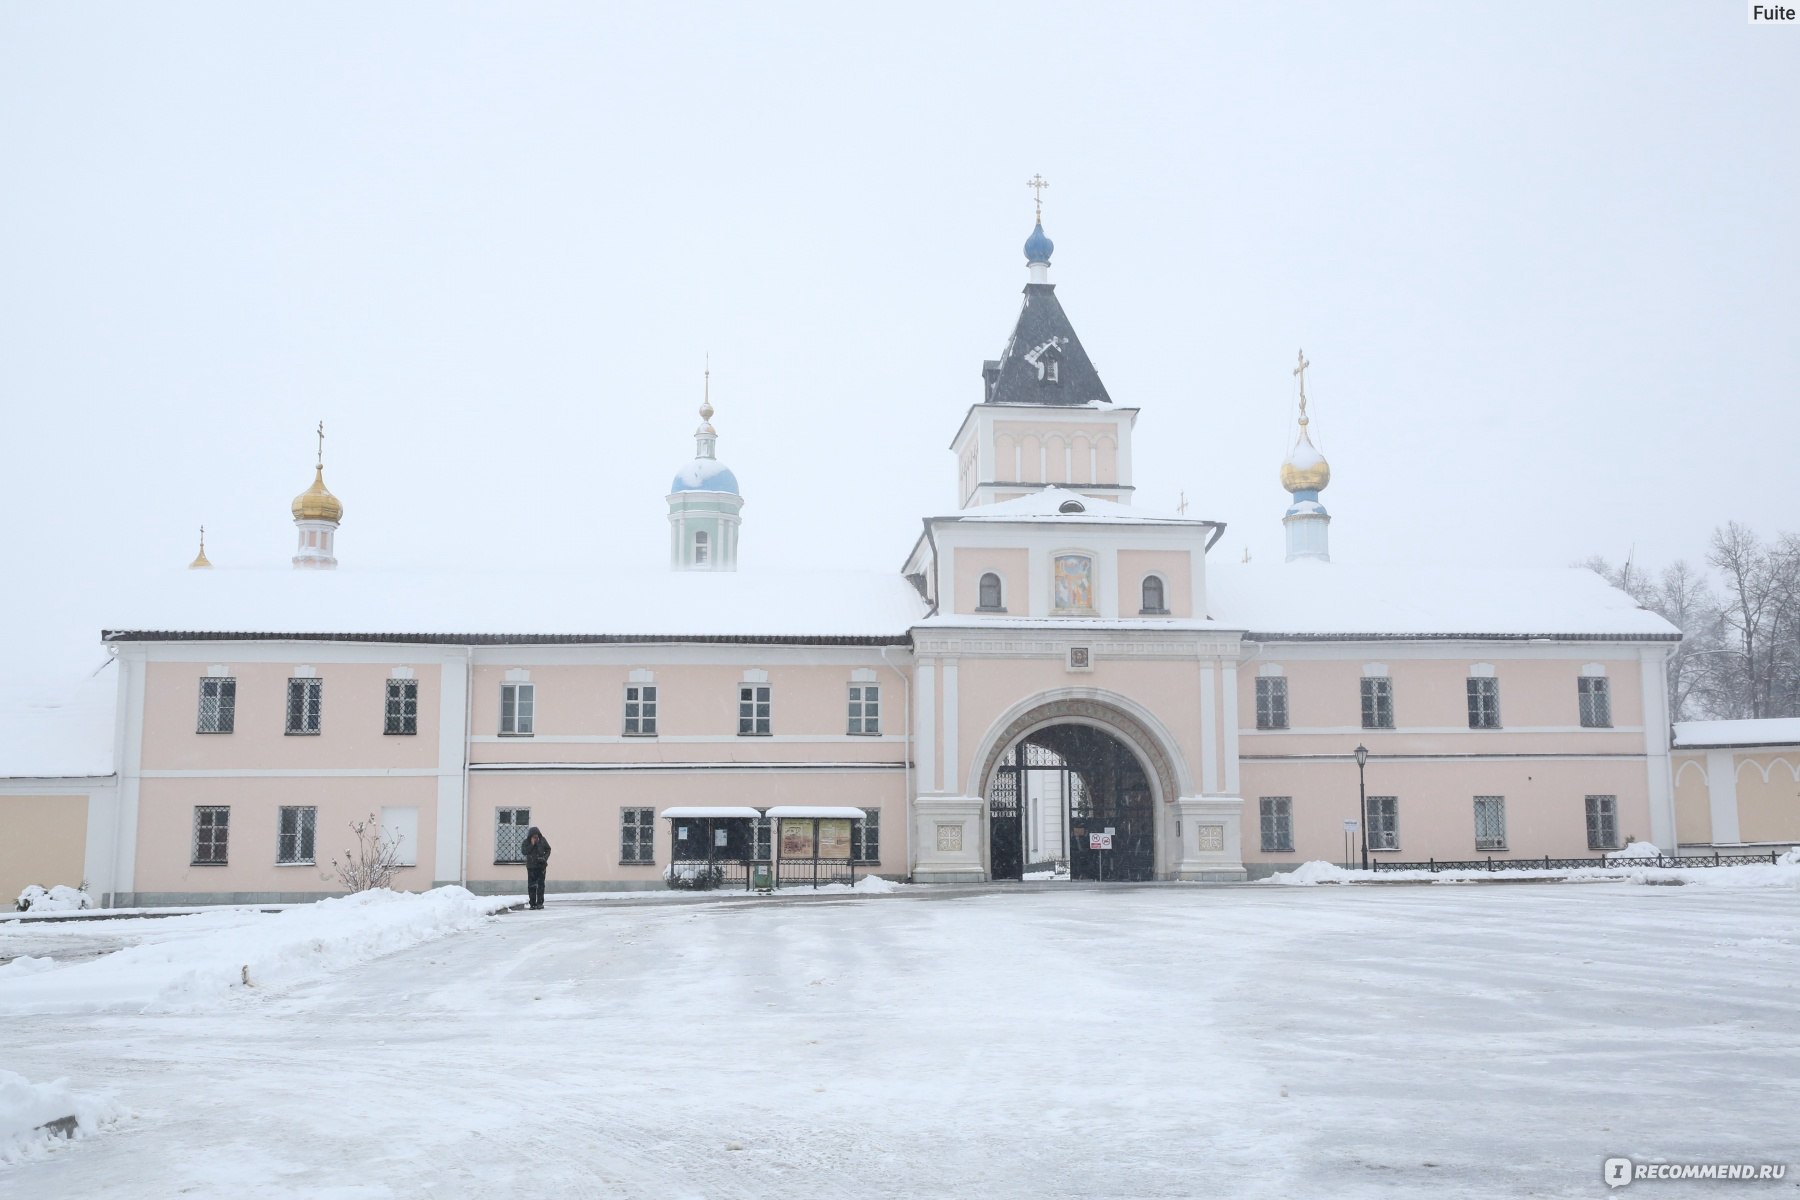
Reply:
x=1066, y=1041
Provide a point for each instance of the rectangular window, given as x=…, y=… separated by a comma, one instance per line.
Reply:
x=402, y=706
x=1271, y=702
x=218, y=705
x=1384, y=822
x=510, y=825
x=865, y=708
x=1484, y=702
x=1277, y=823
x=1596, y=702
x=753, y=710
x=294, y=835
x=640, y=710
x=1490, y=822
x=1603, y=822
x=865, y=837
x=637, y=835
x=212, y=830
x=306, y=700
x=1377, y=702
x=761, y=839
x=517, y=701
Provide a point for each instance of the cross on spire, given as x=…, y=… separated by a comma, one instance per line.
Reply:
x=1037, y=184
x=321, y=462
x=1300, y=372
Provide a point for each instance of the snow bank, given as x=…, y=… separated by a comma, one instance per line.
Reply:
x=1636, y=850
x=1783, y=873
x=868, y=885
x=26, y=1107
x=60, y=898
x=268, y=952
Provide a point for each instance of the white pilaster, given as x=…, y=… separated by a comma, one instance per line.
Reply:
x=1660, y=779
x=952, y=770
x=1230, y=706
x=925, y=725
x=129, y=748
x=1721, y=795
x=452, y=774
x=1209, y=733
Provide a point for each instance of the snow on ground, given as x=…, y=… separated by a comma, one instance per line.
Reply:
x=1783, y=873
x=27, y=1108
x=1062, y=1040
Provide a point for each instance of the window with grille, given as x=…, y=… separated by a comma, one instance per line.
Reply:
x=702, y=548
x=218, y=705
x=305, y=703
x=294, y=835
x=1377, y=702
x=1603, y=822
x=990, y=591
x=1277, y=822
x=865, y=837
x=761, y=839
x=753, y=710
x=510, y=825
x=865, y=708
x=1484, y=702
x=212, y=831
x=637, y=835
x=1271, y=702
x=517, y=704
x=1384, y=822
x=1490, y=822
x=1596, y=702
x=402, y=707
x=1153, y=595
x=640, y=709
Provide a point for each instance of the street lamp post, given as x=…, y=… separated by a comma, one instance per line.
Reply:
x=1362, y=801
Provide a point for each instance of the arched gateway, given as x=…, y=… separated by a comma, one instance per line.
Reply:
x=1074, y=784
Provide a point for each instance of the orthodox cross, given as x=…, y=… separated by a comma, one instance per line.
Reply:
x=1300, y=371
x=321, y=445
x=1182, y=507
x=1037, y=184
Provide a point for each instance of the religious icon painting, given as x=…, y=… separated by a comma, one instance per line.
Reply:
x=1074, y=583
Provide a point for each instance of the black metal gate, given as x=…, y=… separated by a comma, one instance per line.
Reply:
x=1103, y=791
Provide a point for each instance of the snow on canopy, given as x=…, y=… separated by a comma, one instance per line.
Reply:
x=366, y=603
x=1768, y=731
x=65, y=733
x=1048, y=503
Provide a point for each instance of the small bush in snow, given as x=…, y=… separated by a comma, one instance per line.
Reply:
x=374, y=860
x=57, y=899
x=697, y=876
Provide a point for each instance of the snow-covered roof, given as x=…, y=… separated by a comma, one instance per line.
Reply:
x=823, y=812
x=1047, y=505
x=700, y=813
x=1339, y=600
x=67, y=733
x=576, y=605
x=1769, y=731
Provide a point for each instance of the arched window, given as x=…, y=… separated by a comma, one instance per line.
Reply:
x=1153, y=595
x=700, y=547
x=990, y=591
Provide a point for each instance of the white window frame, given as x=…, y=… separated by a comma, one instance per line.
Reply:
x=518, y=709
x=999, y=604
x=865, y=709
x=1271, y=694
x=1162, y=593
x=1594, y=698
x=510, y=818
x=1484, y=701
x=1602, y=814
x=702, y=548
x=306, y=704
x=1275, y=814
x=865, y=838
x=637, y=836
x=219, y=826
x=296, y=835
x=218, y=712
x=1376, y=693
x=756, y=710
x=640, y=710
x=1384, y=823
x=1493, y=837
x=400, y=712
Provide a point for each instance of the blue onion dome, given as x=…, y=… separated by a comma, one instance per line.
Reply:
x=1038, y=248
x=705, y=475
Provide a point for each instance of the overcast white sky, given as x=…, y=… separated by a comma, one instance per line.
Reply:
x=1543, y=257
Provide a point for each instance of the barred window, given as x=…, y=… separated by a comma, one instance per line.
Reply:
x=865, y=708
x=753, y=710
x=305, y=703
x=761, y=839
x=640, y=710
x=1377, y=702
x=517, y=704
x=1596, y=702
x=1603, y=822
x=402, y=706
x=1153, y=595
x=865, y=837
x=218, y=705
x=989, y=592
x=1271, y=702
x=1490, y=822
x=1484, y=702
x=510, y=825
x=637, y=835
x=1277, y=823
x=1384, y=822
x=212, y=830
x=294, y=835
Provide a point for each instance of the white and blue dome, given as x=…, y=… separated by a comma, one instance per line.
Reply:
x=705, y=475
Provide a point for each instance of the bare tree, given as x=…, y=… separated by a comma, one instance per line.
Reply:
x=374, y=860
x=1761, y=611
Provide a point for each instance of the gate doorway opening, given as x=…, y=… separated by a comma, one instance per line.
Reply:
x=1059, y=797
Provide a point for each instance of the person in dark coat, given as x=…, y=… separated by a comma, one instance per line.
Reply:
x=535, y=850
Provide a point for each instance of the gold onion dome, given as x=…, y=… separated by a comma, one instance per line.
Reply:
x=1305, y=469
x=316, y=503
x=201, y=562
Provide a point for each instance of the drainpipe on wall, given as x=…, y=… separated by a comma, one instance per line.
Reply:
x=462, y=834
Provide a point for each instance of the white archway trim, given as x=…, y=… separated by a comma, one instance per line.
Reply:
x=1167, y=746
x=1765, y=771
x=1690, y=764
